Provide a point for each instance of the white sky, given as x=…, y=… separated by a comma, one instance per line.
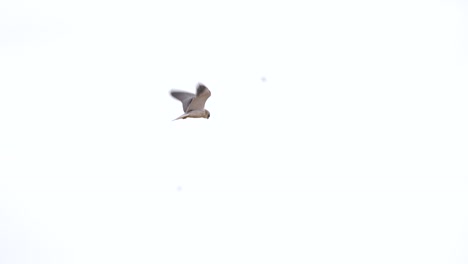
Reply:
x=354, y=150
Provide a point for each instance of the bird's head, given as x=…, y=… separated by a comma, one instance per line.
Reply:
x=207, y=114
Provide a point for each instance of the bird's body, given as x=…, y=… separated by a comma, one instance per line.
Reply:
x=193, y=105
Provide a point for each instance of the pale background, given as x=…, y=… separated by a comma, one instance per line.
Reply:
x=353, y=149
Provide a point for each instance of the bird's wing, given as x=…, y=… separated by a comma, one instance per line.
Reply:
x=184, y=97
x=198, y=103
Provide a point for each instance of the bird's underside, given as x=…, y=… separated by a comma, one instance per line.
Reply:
x=193, y=114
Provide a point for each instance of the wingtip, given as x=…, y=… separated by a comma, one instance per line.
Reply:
x=201, y=88
x=201, y=85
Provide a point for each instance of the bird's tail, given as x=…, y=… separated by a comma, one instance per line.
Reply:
x=181, y=117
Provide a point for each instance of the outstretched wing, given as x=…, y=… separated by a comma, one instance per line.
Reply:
x=198, y=103
x=184, y=97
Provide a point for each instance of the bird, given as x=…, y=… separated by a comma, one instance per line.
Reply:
x=193, y=105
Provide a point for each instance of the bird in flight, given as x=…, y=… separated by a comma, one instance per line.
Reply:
x=193, y=105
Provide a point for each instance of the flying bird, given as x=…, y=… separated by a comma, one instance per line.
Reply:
x=193, y=105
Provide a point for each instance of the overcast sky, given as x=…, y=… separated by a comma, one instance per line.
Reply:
x=338, y=132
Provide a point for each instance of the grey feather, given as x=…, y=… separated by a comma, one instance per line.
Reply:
x=184, y=97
